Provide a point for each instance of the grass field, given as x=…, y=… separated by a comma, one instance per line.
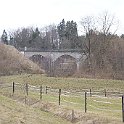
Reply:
x=100, y=109
x=66, y=83
x=104, y=112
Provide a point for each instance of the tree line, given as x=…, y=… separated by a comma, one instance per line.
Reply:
x=61, y=36
x=99, y=42
x=103, y=47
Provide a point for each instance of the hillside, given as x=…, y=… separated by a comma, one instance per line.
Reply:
x=13, y=62
x=17, y=113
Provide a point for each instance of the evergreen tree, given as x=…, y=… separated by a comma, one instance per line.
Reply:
x=4, y=37
x=71, y=33
x=62, y=30
x=12, y=41
x=35, y=33
x=68, y=34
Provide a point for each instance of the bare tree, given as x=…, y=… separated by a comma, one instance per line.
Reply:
x=98, y=35
x=108, y=23
x=108, y=26
x=89, y=27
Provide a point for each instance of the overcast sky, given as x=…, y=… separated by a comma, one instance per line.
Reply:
x=23, y=13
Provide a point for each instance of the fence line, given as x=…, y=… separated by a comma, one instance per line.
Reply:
x=61, y=94
x=66, y=92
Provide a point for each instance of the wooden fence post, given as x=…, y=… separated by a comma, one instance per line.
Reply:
x=85, y=102
x=40, y=92
x=123, y=108
x=90, y=93
x=72, y=116
x=59, y=96
x=26, y=87
x=13, y=87
x=105, y=92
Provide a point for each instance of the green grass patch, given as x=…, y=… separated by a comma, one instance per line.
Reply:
x=66, y=83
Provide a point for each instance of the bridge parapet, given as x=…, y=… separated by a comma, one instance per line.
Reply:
x=55, y=55
x=52, y=50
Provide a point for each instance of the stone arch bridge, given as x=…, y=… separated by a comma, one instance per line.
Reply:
x=54, y=60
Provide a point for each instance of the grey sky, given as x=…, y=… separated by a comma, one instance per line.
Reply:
x=23, y=13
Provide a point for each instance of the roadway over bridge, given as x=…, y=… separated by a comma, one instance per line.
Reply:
x=52, y=56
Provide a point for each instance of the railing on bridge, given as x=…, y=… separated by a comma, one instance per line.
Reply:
x=48, y=50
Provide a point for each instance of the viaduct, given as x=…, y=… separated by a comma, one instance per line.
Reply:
x=52, y=56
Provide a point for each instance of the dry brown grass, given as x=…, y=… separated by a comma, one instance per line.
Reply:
x=78, y=116
x=13, y=62
x=14, y=112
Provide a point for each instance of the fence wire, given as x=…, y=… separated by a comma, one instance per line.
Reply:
x=74, y=99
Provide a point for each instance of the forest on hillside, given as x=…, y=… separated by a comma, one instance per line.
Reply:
x=99, y=42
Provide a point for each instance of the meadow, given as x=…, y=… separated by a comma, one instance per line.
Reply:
x=100, y=109
x=66, y=83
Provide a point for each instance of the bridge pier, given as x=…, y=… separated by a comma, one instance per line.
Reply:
x=78, y=66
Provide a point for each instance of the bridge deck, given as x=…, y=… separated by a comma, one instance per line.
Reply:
x=52, y=50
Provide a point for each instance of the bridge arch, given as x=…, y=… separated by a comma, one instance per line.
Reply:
x=55, y=55
x=65, y=65
x=40, y=60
